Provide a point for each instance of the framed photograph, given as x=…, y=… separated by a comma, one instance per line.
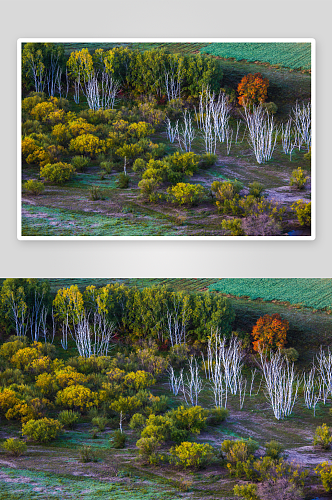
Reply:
x=177, y=139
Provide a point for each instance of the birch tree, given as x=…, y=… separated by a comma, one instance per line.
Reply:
x=281, y=383
x=262, y=132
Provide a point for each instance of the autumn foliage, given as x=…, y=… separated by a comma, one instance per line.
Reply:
x=252, y=89
x=270, y=332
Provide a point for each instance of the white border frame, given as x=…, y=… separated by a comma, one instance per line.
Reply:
x=312, y=41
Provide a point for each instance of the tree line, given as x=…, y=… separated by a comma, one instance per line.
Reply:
x=46, y=67
x=169, y=317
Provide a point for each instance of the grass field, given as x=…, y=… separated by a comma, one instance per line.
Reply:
x=308, y=292
x=286, y=55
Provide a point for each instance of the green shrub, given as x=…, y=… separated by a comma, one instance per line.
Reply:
x=11, y=376
x=118, y=439
x=100, y=423
x=239, y=450
x=137, y=421
x=122, y=180
x=57, y=173
x=160, y=405
x=139, y=165
x=184, y=163
x=68, y=418
x=291, y=354
x=256, y=189
x=323, y=437
x=96, y=193
x=33, y=187
x=147, y=447
x=191, y=419
x=80, y=162
x=14, y=344
x=207, y=160
x=159, y=427
x=233, y=226
x=186, y=194
x=273, y=449
x=42, y=430
x=303, y=212
x=106, y=166
x=189, y=454
x=270, y=107
x=148, y=188
x=87, y=454
x=217, y=415
x=325, y=471
x=246, y=491
x=15, y=446
x=298, y=178
x=307, y=156
x=234, y=451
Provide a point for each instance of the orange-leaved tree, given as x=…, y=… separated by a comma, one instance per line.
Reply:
x=270, y=332
x=252, y=89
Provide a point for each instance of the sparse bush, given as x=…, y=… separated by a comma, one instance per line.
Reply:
x=96, y=193
x=233, y=226
x=100, y=423
x=57, y=173
x=261, y=225
x=15, y=447
x=273, y=449
x=279, y=489
x=270, y=107
x=207, y=160
x=323, y=437
x=148, y=188
x=303, y=212
x=298, y=178
x=191, y=454
x=217, y=415
x=239, y=450
x=42, y=430
x=246, y=491
x=106, y=166
x=33, y=187
x=291, y=354
x=325, y=472
x=122, y=180
x=80, y=163
x=256, y=189
x=147, y=447
x=118, y=439
x=87, y=454
x=137, y=421
x=186, y=194
x=68, y=418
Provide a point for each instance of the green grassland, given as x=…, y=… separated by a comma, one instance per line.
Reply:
x=308, y=292
x=287, y=55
